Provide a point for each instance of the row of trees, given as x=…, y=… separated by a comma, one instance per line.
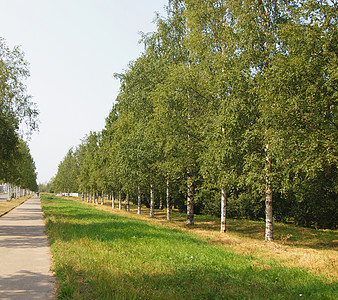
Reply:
x=16, y=109
x=231, y=103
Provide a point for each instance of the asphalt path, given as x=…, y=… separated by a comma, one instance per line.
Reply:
x=25, y=258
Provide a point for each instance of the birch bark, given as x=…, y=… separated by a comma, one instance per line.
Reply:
x=120, y=200
x=152, y=199
x=127, y=202
x=268, y=199
x=223, y=210
x=168, y=199
x=139, y=200
x=190, y=199
x=161, y=203
x=190, y=184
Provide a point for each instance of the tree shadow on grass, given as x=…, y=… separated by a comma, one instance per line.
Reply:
x=179, y=266
x=112, y=229
x=245, y=228
x=78, y=222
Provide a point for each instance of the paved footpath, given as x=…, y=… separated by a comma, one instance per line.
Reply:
x=25, y=258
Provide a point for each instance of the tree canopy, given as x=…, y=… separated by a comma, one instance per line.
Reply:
x=18, y=116
x=233, y=106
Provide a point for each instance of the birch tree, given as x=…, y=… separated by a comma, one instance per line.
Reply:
x=300, y=86
x=66, y=178
x=16, y=107
x=177, y=105
x=228, y=105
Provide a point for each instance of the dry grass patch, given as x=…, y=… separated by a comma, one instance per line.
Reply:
x=304, y=247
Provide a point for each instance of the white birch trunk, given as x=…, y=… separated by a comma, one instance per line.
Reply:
x=223, y=210
x=268, y=200
x=152, y=200
x=139, y=200
x=168, y=200
x=120, y=200
x=112, y=200
x=102, y=198
x=161, y=203
x=9, y=196
x=190, y=184
x=127, y=202
x=190, y=200
x=223, y=192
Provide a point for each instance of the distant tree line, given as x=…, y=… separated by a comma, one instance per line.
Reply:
x=46, y=187
x=16, y=109
x=231, y=110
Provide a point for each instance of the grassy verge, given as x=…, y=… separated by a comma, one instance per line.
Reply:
x=314, y=250
x=6, y=206
x=99, y=255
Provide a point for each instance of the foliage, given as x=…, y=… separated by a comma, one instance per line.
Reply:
x=232, y=98
x=16, y=108
x=46, y=188
x=66, y=177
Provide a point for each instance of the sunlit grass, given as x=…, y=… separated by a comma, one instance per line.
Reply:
x=99, y=255
x=315, y=250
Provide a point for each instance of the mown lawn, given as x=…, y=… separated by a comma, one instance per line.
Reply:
x=99, y=255
x=293, y=246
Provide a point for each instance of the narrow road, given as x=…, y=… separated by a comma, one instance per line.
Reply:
x=25, y=258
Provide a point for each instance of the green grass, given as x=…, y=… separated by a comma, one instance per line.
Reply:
x=99, y=255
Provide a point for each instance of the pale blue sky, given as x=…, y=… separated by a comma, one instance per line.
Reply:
x=74, y=47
